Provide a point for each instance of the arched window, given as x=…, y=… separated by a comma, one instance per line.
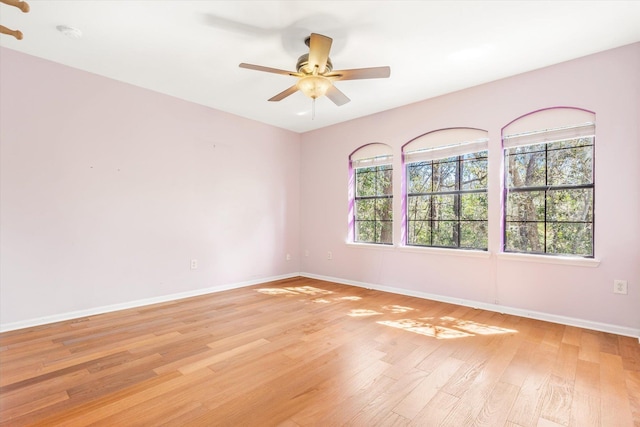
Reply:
x=446, y=189
x=371, y=194
x=549, y=182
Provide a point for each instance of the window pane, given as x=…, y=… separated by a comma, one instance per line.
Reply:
x=418, y=207
x=476, y=156
x=524, y=149
x=571, y=166
x=365, y=182
x=474, y=175
x=419, y=233
x=525, y=237
x=384, y=231
x=525, y=170
x=365, y=231
x=474, y=206
x=473, y=234
x=444, y=208
x=525, y=206
x=419, y=177
x=434, y=219
x=374, y=204
x=570, y=238
x=444, y=175
x=445, y=233
x=570, y=205
x=384, y=209
x=383, y=181
x=365, y=209
x=572, y=143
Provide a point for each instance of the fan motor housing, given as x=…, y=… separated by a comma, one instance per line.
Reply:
x=303, y=65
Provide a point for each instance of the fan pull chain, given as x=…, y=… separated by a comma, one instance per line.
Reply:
x=313, y=108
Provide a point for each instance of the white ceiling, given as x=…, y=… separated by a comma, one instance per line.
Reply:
x=191, y=49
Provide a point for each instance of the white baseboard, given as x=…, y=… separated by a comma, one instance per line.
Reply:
x=563, y=320
x=569, y=321
x=138, y=303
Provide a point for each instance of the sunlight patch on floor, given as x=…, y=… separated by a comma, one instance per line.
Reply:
x=477, y=328
x=276, y=291
x=397, y=308
x=351, y=298
x=309, y=290
x=361, y=312
x=423, y=328
x=446, y=327
x=295, y=290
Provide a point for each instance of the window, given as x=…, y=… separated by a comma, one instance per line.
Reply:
x=446, y=189
x=372, y=209
x=549, y=183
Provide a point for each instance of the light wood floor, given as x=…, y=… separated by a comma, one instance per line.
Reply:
x=302, y=352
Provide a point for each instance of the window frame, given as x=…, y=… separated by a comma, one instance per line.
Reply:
x=377, y=156
x=378, y=197
x=457, y=194
x=441, y=146
x=552, y=125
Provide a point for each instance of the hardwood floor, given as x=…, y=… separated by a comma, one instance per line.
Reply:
x=301, y=352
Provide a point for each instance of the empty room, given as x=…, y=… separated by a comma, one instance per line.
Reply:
x=320, y=213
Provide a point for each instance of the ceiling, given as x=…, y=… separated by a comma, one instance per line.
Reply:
x=191, y=49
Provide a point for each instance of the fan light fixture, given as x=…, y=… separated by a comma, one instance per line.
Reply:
x=314, y=86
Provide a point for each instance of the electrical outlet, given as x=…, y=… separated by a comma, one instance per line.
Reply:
x=194, y=264
x=288, y=257
x=306, y=252
x=329, y=255
x=620, y=287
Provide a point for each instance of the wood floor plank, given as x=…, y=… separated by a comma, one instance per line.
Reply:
x=585, y=410
x=496, y=408
x=411, y=405
x=436, y=410
x=382, y=405
x=300, y=351
x=557, y=399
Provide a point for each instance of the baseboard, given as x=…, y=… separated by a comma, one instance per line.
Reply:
x=138, y=303
x=563, y=320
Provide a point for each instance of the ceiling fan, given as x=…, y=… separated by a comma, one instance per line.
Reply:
x=316, y=75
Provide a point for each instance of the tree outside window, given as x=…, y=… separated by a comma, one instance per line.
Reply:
x=550, y=197
x=447, y=202
x=374, y=204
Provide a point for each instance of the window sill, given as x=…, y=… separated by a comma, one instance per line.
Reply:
x=544, y=259
x=376, y=246
x=445, y=251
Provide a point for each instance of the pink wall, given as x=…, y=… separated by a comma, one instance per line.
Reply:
x=607, y=83
x=108, y=191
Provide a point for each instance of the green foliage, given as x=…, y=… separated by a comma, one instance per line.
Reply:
x=447, y=202
x=549, y=203
x=374, y=205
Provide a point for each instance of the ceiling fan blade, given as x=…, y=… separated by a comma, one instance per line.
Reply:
x=360, y=73
x=270, y=70
x=319, y=47
x=282, y=95
x=338, y=98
